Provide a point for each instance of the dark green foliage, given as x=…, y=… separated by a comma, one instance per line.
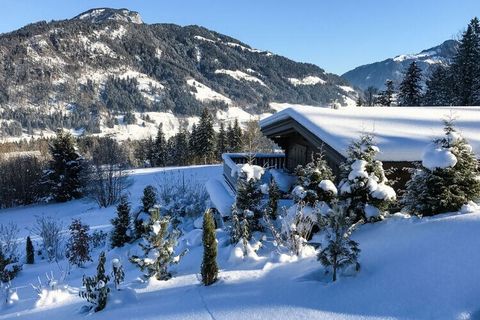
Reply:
x=248, y=200
x=386, y=97
x=78, y=246
x=439, y=87
x=96, y=288
x=123, y=95
x=149, y=198
x=121, y=224
x=64, y=176
x=438, y=190
x=209, y=263
x=30, y=251
x=222, y=143
x=410, y=93
x=158, y=149
x=234, y=137
x=8, y=273
x=205, y=138
x=341, y=251
x=274, y=195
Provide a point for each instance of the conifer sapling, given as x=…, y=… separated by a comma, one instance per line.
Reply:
x=30, y=251
x=209, y=268
x=121, y=224
x=78, y=246
x=117, y=273
x=96, y=287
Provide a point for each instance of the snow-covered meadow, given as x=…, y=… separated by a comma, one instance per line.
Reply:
x=411, y=268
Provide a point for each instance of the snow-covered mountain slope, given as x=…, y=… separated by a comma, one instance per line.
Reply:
x=83, y=72
x=375, y=74
x=411, y=268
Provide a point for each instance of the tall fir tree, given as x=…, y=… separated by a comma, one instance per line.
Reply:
x=439, y=187
x=221, y=141
x=159, y=148
x=181, y=154
x=386, y=97
x=209, y=269
x=194, y=145
x=121, y=224
x=465, y=67
x=65, y=176
x=439, y=87
x=206, y=137
x=410, y=93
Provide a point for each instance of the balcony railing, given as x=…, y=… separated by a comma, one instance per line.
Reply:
x=231, y=162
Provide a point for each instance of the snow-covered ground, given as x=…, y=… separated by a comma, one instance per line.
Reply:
x=411, y=269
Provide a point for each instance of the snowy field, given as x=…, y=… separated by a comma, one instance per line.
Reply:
x=411, y=269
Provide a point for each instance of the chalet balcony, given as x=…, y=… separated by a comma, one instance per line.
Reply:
x=231, y=162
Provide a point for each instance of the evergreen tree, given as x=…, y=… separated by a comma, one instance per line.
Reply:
x=96, y=287
x=314, y=182
x=181, y=154
x=159, y=148
x=359, y=102
x=158, y=247
x=370, y=96
x=194, y=144
x=209, y=264
x=439, y=88
x=364, y=189
x=237, y=140
x=274, y=195
x=248, y=199
x=444, y=187
x=121, y=224
x=149, y=198
x=340, y=251
x=221, y=141
x=410, y=93
x=465, y=67
x=64, y=177
x=117, y=273
x=386, y=97
x=78, y=246
x=206, y=137
x=30, y=251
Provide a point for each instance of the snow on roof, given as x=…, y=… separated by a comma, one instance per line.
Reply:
x=401, y=133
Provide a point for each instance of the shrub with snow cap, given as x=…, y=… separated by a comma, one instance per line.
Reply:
x=447, y=179
x=96, y=288
x=364, y=189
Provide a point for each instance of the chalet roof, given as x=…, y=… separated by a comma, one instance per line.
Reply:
x=401, y=133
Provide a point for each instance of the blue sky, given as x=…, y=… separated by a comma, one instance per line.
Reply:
x=336, y=35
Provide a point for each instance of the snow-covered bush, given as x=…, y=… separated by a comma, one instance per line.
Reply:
x=274, y=195
x=447, y=179
x=340, y=250
x=51, y=291
x=315, y=182
x=50, y=231
x=8, y=295
x=96, y=287
x=9, y=265
x=364, y=189
x=98, y=239
x=185, y=198
x=121, y=224
x=149, y=198
x=117, y=273
x=78, y=245
x=158, y=248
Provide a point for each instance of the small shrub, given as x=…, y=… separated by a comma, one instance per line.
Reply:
x=78, y=246
x=30, y=252
x=121, y=224
x=50, y=231
x=96, y=287
x=149, y=198
x=98, y=239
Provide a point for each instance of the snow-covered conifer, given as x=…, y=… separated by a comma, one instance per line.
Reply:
x=448, y=177
x=340, y=250
x=273, y=197
x=96, y=287
x=149, y=198
x=78, y=246
x=209, y=264
x=410, y=93
x=121, y=224
x=117, y=273
x=364, y=188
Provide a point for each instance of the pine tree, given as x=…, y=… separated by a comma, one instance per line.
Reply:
x=159, y=148
x=410, y=93
x=78, y=246
x=181, y=154
x=386, y=97
x=117, y=273
x=64, y=177
x=314, y=182
x=206, y=137
x=444, y=187
x=340, y=251
x=439, y=92
x=274, y=195
x=221, y=141
x=121, y=224
x=158, y=247
x=30, y=251
x=359, y=102
x=248, y=198
x=193, y=144
x=149, y=198
x=96, y=288
x=209, y=268
x=364, y=189
x=465, y=67
x=237, y=141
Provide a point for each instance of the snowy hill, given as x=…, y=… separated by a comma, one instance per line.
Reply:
x=375, y=74
x=411, y=269
x=88, y=72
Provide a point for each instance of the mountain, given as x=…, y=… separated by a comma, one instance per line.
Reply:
x=375, y=74
x=105, y=68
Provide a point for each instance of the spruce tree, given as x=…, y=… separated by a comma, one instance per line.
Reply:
x=439, y=88
x=194, y=145
x=274, y=195
x=30, y=251
x=465, y=67
x=209, y=268
x=121, y=224
x=221, y=141
x=206, y=137
x=96, y=287
x=386, y=97
x=159, y=148
x=64, y=176
x=410, y=93
x=248, y=198
x=364, y=189
x=78, y=246
x=181, y=154
x=237, y=141
x=444, y=187
x=149, y=198
x=340, y=251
